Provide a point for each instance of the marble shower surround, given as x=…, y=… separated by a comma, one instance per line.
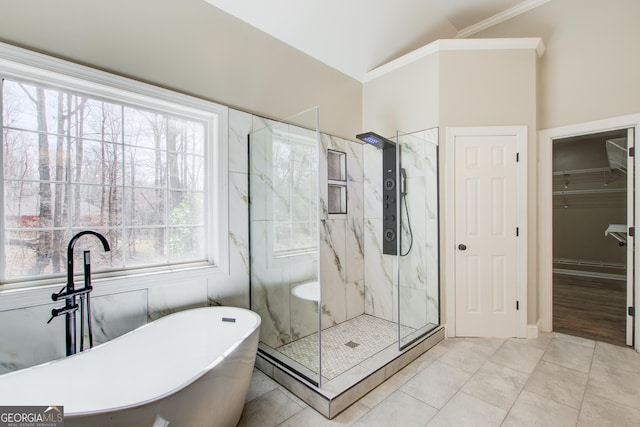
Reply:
x=341, y=251
x=418, y=270
x=342, y=238
x=273, y=276
x=419, y=277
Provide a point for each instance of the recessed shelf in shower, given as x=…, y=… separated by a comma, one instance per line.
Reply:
x=336, y=182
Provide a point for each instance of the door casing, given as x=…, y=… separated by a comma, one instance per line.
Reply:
x=520, y=132
x=545, y=210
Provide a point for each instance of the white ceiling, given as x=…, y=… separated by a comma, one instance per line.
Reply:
x=356, y=36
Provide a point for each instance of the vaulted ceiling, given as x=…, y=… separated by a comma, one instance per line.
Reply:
x=356, y=36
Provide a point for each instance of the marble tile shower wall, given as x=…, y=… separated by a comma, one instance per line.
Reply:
x=419, y=267
x=418, y=270
x=285, y=317
x=122, y=305
x=342, y=238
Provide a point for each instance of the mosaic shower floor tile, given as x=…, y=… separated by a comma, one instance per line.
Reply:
x=345, y=345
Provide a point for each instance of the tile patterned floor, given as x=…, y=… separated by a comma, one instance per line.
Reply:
x=344, y=345
x=555, y=380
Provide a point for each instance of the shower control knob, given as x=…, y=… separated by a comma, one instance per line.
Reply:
x=389, y=184
x=389, y=235
x=462, y=247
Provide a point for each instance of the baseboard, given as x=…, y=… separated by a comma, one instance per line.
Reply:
x=532, y=331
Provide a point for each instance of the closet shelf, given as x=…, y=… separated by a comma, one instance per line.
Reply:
x=618, y=232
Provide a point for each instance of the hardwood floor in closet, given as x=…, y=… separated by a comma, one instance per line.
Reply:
x=588, y=307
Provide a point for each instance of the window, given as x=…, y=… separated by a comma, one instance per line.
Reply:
x=295, y=208
x=78, y=156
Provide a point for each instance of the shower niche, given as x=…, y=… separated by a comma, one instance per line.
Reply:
x=336, y=309
x=336, y=182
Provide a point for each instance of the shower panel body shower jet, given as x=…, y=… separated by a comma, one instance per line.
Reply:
x=389, y=190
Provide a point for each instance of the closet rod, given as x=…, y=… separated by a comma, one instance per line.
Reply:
x=581, y=171
x=594, y=191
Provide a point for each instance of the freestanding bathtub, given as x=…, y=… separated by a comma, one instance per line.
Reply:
x=191, y=368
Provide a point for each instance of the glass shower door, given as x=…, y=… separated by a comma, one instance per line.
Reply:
x=418, y=247
x=283, y=223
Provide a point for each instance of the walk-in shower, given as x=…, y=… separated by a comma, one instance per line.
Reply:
x=338, y=304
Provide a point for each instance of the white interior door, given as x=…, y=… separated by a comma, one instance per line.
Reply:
x=630, y=237
x=486, y=233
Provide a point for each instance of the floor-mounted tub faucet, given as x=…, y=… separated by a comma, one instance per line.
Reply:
x=69, y=293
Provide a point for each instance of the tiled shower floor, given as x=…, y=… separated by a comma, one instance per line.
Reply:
x=345, y=345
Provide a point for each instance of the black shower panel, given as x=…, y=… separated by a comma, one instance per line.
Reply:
x=389, y=190
x=389, y=201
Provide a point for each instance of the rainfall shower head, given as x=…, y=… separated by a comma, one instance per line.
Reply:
x=376, y=140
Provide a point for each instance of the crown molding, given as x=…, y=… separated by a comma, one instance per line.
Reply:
x=456, y=44
x=500, y=17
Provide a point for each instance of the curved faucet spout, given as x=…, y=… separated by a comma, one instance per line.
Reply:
x=72, y=243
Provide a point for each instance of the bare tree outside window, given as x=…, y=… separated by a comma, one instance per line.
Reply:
x=73, y=162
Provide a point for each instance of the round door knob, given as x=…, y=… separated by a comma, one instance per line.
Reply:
x=462, y=247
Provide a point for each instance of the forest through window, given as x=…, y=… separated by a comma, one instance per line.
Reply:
x=73, y=161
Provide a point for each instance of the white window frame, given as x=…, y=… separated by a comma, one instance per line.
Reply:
x=21, y=64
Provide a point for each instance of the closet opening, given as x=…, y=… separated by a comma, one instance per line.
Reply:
x=592, y=199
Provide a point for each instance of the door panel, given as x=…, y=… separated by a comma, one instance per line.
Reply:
x=485, y=234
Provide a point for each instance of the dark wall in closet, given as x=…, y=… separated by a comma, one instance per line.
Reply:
x=588, y=196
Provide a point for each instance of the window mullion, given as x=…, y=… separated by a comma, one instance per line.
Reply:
x=125, y=207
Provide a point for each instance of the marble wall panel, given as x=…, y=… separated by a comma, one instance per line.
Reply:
x=261, y=179
x=412, y=156
x=269, y=287
x=354, y=293
x=116, y=314
x=28, y=340
x=333, y=274
x=354, y=232
x=239, y=127
x=354, y=152
x=343, y=237
x=167, y=299
x=432, y=249
x=379, y=273
x=413, y=310
x=372, y=182
x=413, y=271
x=304, y=316
x=234, y=290
x=271, y=300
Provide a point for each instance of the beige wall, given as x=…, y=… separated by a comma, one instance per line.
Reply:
x=590, y=68
x=463, y=88
x=578, y=232
x=405, y=99
x=496, y=88
x=191, y=47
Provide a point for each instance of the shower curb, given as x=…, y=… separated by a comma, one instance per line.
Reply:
x=331, y=401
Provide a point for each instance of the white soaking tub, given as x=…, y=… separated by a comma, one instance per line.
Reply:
x=191, y=368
